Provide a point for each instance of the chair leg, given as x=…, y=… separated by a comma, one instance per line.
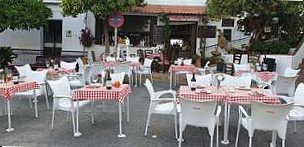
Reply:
x=274, y=139
x=46, y=98
x=211, y=141
x=283, y=142
x=92, y=112
x=217, y=132
x=175, y=125
x=140, y=76
x=67, y=116
x=175, y=77
x=147, y=124
x=151, y=77
x=180, y=132
x=250, y=142
x=238, y=130
x=53, y=115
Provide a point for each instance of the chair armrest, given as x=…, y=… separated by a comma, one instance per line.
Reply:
x=242, y=111
x=218, y=111
x=62, y=96
x=160, y=93
x=178, y=108
x=286, y=99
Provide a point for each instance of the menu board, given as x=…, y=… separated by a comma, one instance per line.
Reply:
x=157, y=35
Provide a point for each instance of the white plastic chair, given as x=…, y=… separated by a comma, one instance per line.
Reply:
x=202, y=71
x=133, y=59
x=199, y=114
x=264, y=117
x=200, y=79
x=188, y=61
x=165, y=106
x=39, y=77
x=238, y=67
x=297, y=113
x=110, y=59
x=289, y=72
x=68, y=65
x=229, y=81
x=146, y=70
x=62, y=99
x=284, y=85
x=23, y=70
x=243, y=81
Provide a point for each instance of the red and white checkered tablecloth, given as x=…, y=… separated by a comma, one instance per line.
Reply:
x=108, y=64
x=244, y=97
x=136, y=65
x=216, y=94
x=61, y=70
x=265, y=76
x=101, y=93
x=241, y=72
x=7, y=90
x=177, y=68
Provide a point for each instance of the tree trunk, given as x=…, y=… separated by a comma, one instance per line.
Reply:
x=106, y=33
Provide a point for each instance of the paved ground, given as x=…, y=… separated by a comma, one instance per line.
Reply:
x=36, y=132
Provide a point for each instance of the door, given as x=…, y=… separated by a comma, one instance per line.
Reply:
x=52, y=40
x=227, y=34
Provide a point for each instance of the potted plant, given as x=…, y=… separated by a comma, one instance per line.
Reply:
x=86, y=39
x=6, y=58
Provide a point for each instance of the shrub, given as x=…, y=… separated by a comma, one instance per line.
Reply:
x=274, y=47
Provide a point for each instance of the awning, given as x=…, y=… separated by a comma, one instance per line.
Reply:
x=170, y=9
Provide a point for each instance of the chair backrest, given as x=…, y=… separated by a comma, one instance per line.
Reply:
x=60, y=87
x=188, y=61
x=299, y=94
x=68, y=65
x=80, y=65
x=229, y=80
x=269, y=117
x=150, y=88
x=118, y=77
x=207, y=65
x=237, y=58
x=238, y=67
x=289, y=72
x=36, y=76
x=197, y=114
x=148, y=62
x=200, y=79
x=110, y=59
x=148, y=52
x=133, y=59
x=23, y=70
x=253, y=58
x=243, y=81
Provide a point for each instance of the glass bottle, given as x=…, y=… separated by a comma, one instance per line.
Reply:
x=193, y=83
x=108, y=81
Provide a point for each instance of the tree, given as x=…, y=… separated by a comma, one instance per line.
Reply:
x=100, y=8
x=283, y=17
x=23, y=14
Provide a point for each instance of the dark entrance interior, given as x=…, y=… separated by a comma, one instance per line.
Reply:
x=183, y=40
x=52, y=40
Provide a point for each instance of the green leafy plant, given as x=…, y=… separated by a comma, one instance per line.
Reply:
x=23, y=14
x=6, y=57
x=274, y=47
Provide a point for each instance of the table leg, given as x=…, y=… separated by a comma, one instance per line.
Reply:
x=77, y=134
x=9, y=129
x=35, y=103
x=128, y=109
x=274, y=139
x=170, y=86
x=136, y=77
x=226, y=124
x=120, y=135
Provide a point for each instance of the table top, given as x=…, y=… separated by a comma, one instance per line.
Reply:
x=224, y=94
x=7, y=90
x=101, y=93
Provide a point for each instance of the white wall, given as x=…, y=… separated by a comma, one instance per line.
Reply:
x=21, y=39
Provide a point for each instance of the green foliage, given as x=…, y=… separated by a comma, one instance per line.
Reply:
x=257, y=14
x=274, y=47
x=166, y=27
x=23, y=14
x=6, y=56
x=100, y=8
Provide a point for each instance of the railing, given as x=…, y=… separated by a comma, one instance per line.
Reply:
x=238, y=43
x=29, y=55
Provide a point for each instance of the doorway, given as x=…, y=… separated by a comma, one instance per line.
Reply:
x=52, y=39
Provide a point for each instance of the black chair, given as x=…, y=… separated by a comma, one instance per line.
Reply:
x=237, y=57
x=253, y=58
x=270, y=63
x=148, y=53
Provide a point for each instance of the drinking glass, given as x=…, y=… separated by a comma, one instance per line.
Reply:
x=94, y=78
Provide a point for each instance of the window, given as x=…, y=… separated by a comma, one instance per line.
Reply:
x=211, y=32
x=228, y=23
